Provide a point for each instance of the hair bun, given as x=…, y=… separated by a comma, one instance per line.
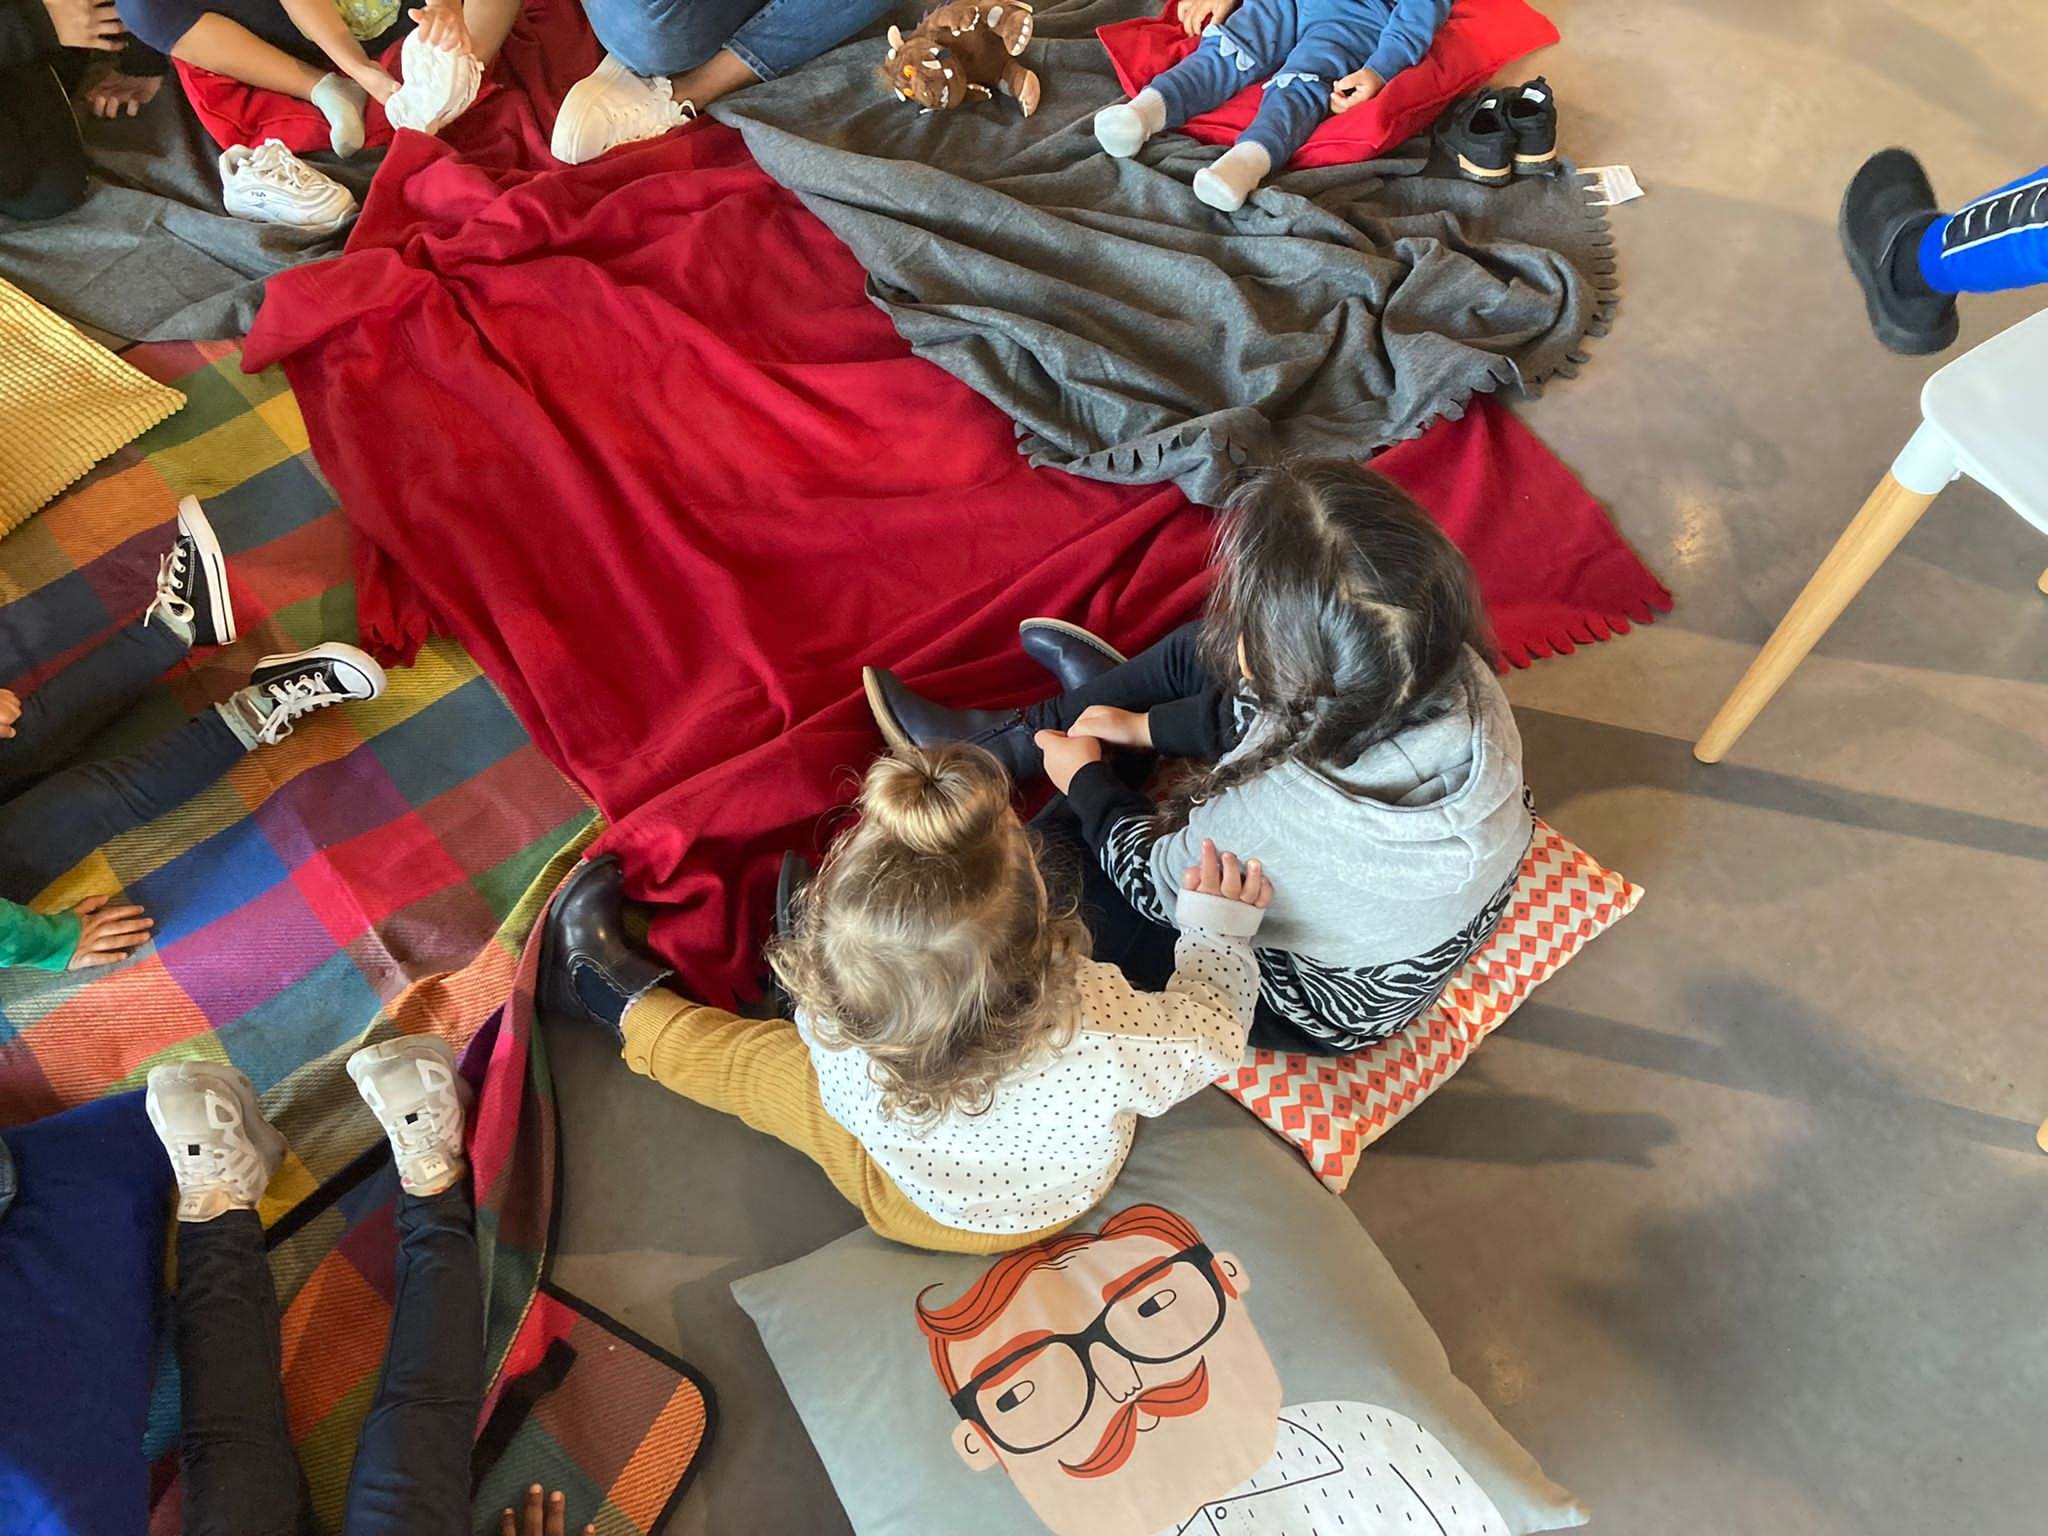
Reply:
x=937, y=801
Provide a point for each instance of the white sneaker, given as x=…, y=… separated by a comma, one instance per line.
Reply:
x=272, y=185
x=438, y=86
x=413, y=1089
x=614, y=106
x=223, y=1152
x=286, y=686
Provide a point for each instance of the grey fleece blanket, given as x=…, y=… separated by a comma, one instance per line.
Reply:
x=151, y=256
x=1134, y=334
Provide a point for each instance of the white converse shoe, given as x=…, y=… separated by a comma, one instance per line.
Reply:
x=223, y=1152
x=284, y=687
x=192, y=581
x=438, y=86
x=272, y=185
x=614, y=106
x=413, y=1089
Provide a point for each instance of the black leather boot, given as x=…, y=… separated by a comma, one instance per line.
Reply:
x=909, y=720
x=1069, y=652
x=586, y=932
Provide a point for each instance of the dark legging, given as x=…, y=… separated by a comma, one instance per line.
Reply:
x=411, y=1473
x=42, y=158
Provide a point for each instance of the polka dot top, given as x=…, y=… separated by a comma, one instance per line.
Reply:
x=1055, y=1136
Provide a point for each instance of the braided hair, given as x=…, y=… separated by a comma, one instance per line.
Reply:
x=1346, y=610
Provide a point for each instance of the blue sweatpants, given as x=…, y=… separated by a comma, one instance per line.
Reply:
x=1301, y=48
x=1999, y=241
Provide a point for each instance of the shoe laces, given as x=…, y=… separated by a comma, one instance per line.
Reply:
x=202, y=1165
x=173, y=574
x=653, y=107
x=294, y=696
x=273, y=162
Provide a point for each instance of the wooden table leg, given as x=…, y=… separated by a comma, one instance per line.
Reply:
x=1887, y=517
x=2042, y=584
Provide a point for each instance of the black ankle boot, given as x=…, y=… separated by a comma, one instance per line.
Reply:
x=586, y=939
x=907, y=720
x=1069, y=652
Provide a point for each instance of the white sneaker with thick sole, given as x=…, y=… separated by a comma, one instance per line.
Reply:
x=413, y=1089
x=272, y=185
x=287, y=686
x=438, y=86
x=223, y=1152
x=613, y=106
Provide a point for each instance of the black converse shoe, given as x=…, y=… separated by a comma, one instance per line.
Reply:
x=1531, y=111
x=1477, y=134
x=284, y=687
x=192, y=581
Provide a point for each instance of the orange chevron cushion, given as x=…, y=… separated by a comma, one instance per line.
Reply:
x=1333, y=1107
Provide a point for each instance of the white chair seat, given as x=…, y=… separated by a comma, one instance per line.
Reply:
x=1992, y=406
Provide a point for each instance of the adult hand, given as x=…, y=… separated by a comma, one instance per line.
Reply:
x=1355, y=89
x=1066, y=755
x=107, y=934
x=372, y=77
x=1197, y=14
x=538, y=1518
x=1219, y=874
x=10, y=711
x=119, y=95
x=1118, y=727
x=442, y=24
x=86, y=24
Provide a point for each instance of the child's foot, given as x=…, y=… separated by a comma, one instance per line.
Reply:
x=223, y=1152
x=342, y=102
x=1123, y=127
x=1885, y=211
x=1069, y=652
x=439, y=86
x=1233, y=177
x=614, y=106
x=192, y=599
x=413, y=1089
x=911, y=720
x=588, y=967
x=284, y=688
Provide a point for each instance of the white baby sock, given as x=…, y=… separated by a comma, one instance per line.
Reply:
x=1124, y=127
x=341, y=102
x=1228, y=182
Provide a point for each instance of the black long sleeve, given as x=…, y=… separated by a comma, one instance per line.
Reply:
x=27, y=35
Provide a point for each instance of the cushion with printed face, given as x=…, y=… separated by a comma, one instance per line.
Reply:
x=1217, y=1348
x=1333, y=1107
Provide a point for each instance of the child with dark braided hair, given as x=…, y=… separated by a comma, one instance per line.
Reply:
x=1342, y=708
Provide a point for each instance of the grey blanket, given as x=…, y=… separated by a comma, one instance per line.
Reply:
x=1135, y=335
x=151, y=256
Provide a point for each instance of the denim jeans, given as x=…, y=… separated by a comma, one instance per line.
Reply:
x=411, y=1473
x=666, y=37
x=56, y=812
x=1998, y=241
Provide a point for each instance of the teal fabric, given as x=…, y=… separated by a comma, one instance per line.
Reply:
x=30, y=939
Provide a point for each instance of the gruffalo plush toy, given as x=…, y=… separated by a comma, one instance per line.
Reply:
x=963, y=52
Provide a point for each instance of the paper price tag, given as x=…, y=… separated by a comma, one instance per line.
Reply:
x=1612, y=184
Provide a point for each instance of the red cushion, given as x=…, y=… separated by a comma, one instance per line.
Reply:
x=1479, y=37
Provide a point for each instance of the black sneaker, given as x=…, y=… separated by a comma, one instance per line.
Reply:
x=1477, y=134
x=1531, y=111
x=192, y=580
x=282, y=688
x=1886, y=209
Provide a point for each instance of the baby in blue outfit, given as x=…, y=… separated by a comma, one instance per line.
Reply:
x=1316, y=57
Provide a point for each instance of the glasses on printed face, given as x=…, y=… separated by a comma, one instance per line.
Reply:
x=1035, y=1395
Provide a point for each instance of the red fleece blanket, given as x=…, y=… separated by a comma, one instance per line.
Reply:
x=634, y=434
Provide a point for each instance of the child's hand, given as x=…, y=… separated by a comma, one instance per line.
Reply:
x=10, y=711
x=115, y=94
x=1355, y=89
x=538, y=1519
x=1118, y=727
x=1197, y=14
x=371, y=77
x=442, y=24
x=85, y=24
x=1066, y=755
x=107, y=934
x=1219, y=875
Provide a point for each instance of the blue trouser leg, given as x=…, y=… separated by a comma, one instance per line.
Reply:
x=784, y=34
x=70, y=709
x=1998, y=241
x=1243, y=50
x=666, y=37
x=411, y=1473
x=1297, y=97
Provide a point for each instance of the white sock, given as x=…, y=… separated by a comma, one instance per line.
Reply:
x=1228, y=182
x=341, y=102
x=243, y=713
x=1123, y=127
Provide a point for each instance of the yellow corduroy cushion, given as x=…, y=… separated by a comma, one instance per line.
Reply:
x=65, y=404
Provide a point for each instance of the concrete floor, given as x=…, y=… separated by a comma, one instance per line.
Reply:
x=1740, y=1225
